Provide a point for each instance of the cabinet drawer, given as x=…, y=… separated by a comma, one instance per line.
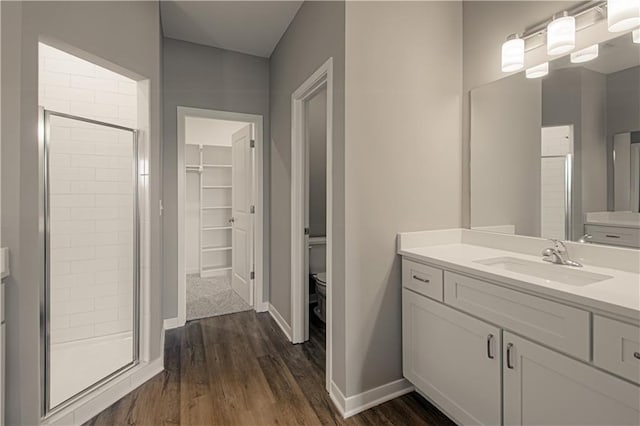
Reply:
x=554, y=324
x=616, y=347
x=614, y=235
x=422, y=279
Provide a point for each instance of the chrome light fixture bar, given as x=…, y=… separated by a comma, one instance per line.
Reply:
x=558, y=34
x=585, y=15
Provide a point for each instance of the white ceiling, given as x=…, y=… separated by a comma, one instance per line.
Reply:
x=252, y=27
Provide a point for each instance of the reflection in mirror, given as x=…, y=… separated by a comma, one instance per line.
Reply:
x=559, y=156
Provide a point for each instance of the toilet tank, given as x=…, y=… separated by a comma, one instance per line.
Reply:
x=317, y=255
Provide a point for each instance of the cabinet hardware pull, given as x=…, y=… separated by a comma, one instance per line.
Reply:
x=612, y=236
x=509, y=363
x=489, y=346
x=636, y=355
x=424, y=280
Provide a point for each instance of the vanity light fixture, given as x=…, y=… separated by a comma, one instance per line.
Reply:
x=538, y=71
x=512, y=54
x=585, y=55
x=636, y=36
x=561, y=35
x=623, y=15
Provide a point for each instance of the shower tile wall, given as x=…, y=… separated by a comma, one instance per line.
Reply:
x=91, y=189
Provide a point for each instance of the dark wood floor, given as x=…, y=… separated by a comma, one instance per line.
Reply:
x=239, y=369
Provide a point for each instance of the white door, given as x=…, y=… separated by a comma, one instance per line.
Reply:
x=543, y=387
x=242, y=220
x=452, y=358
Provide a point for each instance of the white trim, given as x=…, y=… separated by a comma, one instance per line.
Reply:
x=286, y=329
x=171, y=323
x=262, y=307
x=97, y=401
x=260, y=284
x=352, y=405
x=322, y=77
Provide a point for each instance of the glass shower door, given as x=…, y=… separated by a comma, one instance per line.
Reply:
x=91, y=286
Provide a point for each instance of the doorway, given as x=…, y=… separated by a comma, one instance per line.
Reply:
x=311, y=207
x=219, y=261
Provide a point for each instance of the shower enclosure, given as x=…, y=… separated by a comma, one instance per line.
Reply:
x=90, y=234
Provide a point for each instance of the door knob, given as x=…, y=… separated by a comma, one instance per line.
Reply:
x=232, y=220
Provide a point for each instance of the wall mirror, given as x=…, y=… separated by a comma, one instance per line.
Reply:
x=559, y=156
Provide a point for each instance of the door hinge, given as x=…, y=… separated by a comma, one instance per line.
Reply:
x=252, y=209
x=306, y=231
x=252, y=144
x=253, y=275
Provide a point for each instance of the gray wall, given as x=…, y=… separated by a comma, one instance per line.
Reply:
x=623, y=112
x=505, y=154
x=315, y=34
x=204, y=77
x=125, y=34
x=403, y=122
x=562, y=105
x=593, y=146
x=317, y=139
x=486, y=26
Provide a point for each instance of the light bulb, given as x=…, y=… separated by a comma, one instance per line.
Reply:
x=561, y=35
x=538, y=71
x=585, y=55
x=512, y=55
x=623, y=15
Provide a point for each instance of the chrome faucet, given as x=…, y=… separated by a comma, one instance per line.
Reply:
x=559, y=254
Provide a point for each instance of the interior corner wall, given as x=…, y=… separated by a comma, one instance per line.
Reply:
x=623, y=114
x=124, y=34
x=402, y=163
x=205, y=77
x=315, y=35
x=486, y=24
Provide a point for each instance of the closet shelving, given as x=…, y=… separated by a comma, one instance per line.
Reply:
x=213, y=163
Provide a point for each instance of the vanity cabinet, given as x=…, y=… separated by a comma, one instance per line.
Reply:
x=613, y=235
x=542, y=386
x=487, y=354
x=453, y=358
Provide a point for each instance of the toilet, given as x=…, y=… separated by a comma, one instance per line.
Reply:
x=320, y=280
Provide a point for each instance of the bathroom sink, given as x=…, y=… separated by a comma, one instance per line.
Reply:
x=549, y=272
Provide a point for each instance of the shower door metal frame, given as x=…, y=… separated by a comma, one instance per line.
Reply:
x=44, y=136
x=568, y=198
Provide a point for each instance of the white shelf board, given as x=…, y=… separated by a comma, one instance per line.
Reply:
x=216, y=208
x=224, y=166
x=213, y=145
x=215, y=228
x=216, y=187
x=216, y=249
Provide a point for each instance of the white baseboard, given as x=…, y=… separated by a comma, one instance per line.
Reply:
x=262, y=307
x=352, y=405
x=286, y=328
x=170, y=323
x=94, y=403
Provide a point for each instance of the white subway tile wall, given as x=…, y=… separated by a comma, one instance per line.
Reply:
x=91, y=197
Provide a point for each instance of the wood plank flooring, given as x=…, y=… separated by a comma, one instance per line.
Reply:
x=239, y=369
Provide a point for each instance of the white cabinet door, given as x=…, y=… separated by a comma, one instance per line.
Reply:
x=452, y=358
x=543, y=387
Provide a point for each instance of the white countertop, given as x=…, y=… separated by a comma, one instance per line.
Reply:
x=623, y=219
x=619, y=295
